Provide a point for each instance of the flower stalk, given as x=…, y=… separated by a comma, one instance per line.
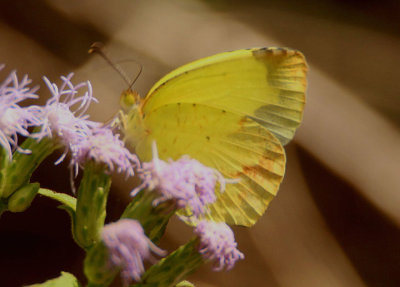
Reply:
x=18, y=172
x=91, y=204
x=153, y=218
x=175, y=267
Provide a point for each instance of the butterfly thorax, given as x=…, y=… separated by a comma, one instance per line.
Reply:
x=132, y=117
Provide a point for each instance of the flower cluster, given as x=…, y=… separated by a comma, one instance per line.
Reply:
x=63, y=118
x=102, y=146
x=191, y=184
x=14, y=119
x=186, y=181
x=58, y=117
x=128, y=246
x=217, y=242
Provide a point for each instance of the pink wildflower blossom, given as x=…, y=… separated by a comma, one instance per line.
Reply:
x=186, y=180
x=104, y=147
x=14, y=119
x=217, y=243
x=128, y=246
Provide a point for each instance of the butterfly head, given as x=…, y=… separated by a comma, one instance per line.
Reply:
x=132, y=117
x=129, y=100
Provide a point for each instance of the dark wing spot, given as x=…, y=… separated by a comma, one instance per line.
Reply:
x=194, y=105
x=223, y=111
x=208, y=138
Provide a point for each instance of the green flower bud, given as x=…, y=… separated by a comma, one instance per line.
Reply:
x=21, y=199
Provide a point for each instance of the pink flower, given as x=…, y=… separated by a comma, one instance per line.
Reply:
x=102, y=146
x=186, y=180
x=64, y=118
x=14, y=119
x=128, y=246
x=217, y=243
x=61, y=118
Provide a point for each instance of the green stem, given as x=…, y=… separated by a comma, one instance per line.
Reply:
x=3, y=206
x=18, y=172
x=153, y=219
x=91, y=204
x=96, y=266
x=174, y=268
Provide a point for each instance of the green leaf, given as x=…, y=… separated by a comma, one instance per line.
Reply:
x=64, y=199
x=174, y=268
x=185, y=283
x=68, y=203
x=154, y=219
x=65, y=280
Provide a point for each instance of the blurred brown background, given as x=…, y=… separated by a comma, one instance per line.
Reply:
x=336, y=219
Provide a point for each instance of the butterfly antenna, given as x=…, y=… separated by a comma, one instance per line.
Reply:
x=98, y=48
x=137, y=76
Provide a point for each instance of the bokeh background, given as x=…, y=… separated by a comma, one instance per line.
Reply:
x=336, y=219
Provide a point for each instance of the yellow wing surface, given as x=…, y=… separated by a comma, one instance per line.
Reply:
x=232, y=111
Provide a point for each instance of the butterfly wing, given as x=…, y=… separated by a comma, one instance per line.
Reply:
x=231, y=111
x=266, y=84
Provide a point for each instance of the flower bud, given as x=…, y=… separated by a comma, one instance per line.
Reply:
x=21, y=199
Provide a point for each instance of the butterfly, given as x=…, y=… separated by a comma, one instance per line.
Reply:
x=233, y=111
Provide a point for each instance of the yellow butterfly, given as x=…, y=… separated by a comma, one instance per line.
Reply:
x=233, y=111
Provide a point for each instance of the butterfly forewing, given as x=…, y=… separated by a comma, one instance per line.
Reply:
x=267, y=84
